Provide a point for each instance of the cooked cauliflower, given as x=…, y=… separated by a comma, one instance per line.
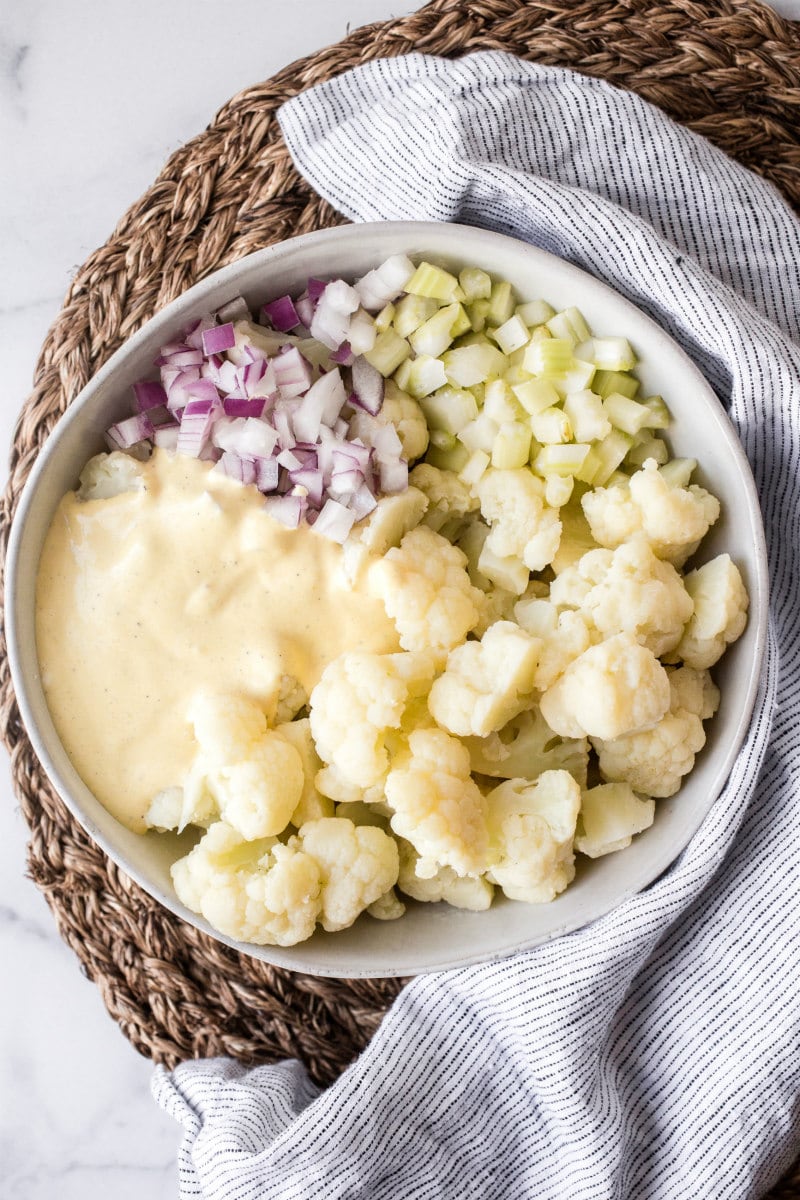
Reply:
x=611, y=814
x=531, y=831
x=614, y=688
x=674, y=519
x=290, y=698
x=460, y=891
x=400, y=410
x=654, y=761
x=426, y=591
x=357, y=865
x=358, y=699
x=486, y=683
x=391, y=519
x=627, y=590
x=448, y=496
x=311, y=804
x=108, y=475
x=437, y=806
x=523, y=526
x=576, y=536
x=526, y=748
x=720, y=612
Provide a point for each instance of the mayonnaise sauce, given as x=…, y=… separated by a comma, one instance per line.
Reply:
x=148, y=597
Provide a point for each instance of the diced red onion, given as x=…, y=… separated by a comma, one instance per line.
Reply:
x=286, y=509
x=218, y=338
x=181, y=356
x=332, y=314
x=394, y=476
x=386, y=443
x=236, y=309
x=305, y=309
x=241, y=406
x=362, y=502
x=282, y=314
x=166, y=436
x=194, y=335
x=368, y=386
x=196, y=422
x=315, y=288
x=148, y=393
x=127, y=433
x=311, y=482
x=334, y=521
x=343, y=356
x=379, y=287
x=267, y=473
x=321, y=405
x=292, y=373
x=289, y=460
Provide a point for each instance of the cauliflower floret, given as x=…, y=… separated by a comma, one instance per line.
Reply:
x=290, y=698
x=437, y=806
x=470, y=892
x=564, y=637
x=628, y=590
x=388, y=907
x=486, y=683
x=522, y=524
x=331, y=782
x=426, y=591
x=526, y=748
x=531, y=830
x=654, y=761
x=611, y=814
x=674, y=519
x=614, y=688
x=498, y=605
x=357, y=866
x=448, y=496
x=400, y=410
x=260, y=891
x=720, y=612
x=390, y=520
x=311, y=804
x=358, y=699
x=576, y=537
x=108, y=475
x=226, y=726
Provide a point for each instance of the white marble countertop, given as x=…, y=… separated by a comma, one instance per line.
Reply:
x=95, y=96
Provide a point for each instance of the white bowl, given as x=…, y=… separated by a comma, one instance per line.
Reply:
x=428, y=937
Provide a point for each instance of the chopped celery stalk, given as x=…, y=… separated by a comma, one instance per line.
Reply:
x=501, y=304
x=425, y=375
x=411, y=312
x=499, y=402
x=561, y=460
x=474, y=468
x=388, y=352
x=442, y=440
x=576, y=379
x=508, y=573
x=569, y=326
x=435, y=335
x=606, y=382
x=477, y=312
x=475, y=284
x=403, y=374
x=618, y=479
x=516, y=374
x=480, y=434
x=462, y=323
x=579, y=326
x=470, y=541
x=512, y=335
x=467, y=365
x=429, y=280
x=627, y=415
x=541, y=334
x=609, y=353
x=474, y=339
x=449, y=409
x=512, y=446
x=479, y=391
x=585, y=411
x=549, y=357
x=535, y=395
x=648, y=447
x=384, y=318
x=535, y=312
x=660, y=417
x=603, y=459
x=453, y=458
x=550, y=426
x=678, y=471
x=558, y=489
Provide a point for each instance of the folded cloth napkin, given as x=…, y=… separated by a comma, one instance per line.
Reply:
x=655, y=1053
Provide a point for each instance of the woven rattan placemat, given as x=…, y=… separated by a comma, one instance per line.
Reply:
x=728, y=69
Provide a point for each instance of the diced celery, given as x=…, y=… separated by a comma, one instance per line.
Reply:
x=535, y=312
x=570, y=326
x=435, y=335
x=508, y=573
x=462, y=323
x=541, y=334
x=516, y=374
x=429, y=280
x=475, y=284
x=535, y=395
x=467, y=365
x=549, y=357
x=479, y=391
x=388, y=352
x=403, y=374
x=660, y=417
x=618, y=479
x=511, y=335
x=678, y=471
x=558, y=489
x=471, y=539
x=452, y=458
x=477, y=312
x=499, y=402
x=604, y=458
x=609, y=353
x=576, y=379
x=606, y=382
x=501, y=303
x=449, y=409
x=585, y=411
x=561, y=459
x=625, y=414
x=552, y=425
x=648, y=447
x=512, y=445
x=425, y=375
x=384, y=318
x=442, y=440
x=474, y=339
x=480, y=434
x=474, y=468
x=411, y=312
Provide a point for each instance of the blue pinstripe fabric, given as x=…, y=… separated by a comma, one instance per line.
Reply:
x=656, y=1053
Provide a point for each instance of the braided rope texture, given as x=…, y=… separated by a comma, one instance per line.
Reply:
x=728, y=69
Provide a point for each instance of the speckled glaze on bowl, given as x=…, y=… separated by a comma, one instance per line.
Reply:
x=428, y=937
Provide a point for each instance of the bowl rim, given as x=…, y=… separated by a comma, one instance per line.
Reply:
x=179, y=310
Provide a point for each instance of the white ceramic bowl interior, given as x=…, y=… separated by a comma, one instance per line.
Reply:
x=428, y=937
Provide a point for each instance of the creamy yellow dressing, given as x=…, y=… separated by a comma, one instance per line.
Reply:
x=148, y=597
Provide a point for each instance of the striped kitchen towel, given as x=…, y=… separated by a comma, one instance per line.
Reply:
x=655, y=1053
